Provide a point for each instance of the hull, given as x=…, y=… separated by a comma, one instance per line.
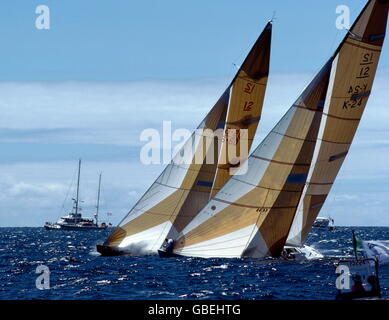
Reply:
x=164, y=254
x=83, y=228
x=50, y=227
x=303, y=253
x=321, y=224
x=72, y=227
x=108, y=251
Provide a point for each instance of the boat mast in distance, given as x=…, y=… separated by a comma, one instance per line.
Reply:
x=98, y=201
x=74, y=220
x=78, y=187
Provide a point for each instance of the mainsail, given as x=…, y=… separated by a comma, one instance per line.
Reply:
x=353, y=70
x=184, y=188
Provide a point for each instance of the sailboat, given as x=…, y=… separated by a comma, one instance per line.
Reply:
x=181, y=190
x=353, y=70
x=74, y=220
x=271, y=207
x=324, y=223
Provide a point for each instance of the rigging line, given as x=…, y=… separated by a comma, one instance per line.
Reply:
x=332, y=47
x=236, y=68
x=67, y=193
x=274, y=16
x=101, y=200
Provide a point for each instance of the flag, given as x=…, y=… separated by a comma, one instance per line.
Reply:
x=378, y=250
x=357, y=245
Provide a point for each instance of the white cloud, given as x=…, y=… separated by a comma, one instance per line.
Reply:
x=363, y=207
x=111, y=113
x=32, y=193
x=117, y=112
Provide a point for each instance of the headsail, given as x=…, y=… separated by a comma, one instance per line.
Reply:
x=251, y=215
x=183, y=189
x=352, y=76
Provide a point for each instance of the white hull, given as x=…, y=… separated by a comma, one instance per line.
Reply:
x=301, y=253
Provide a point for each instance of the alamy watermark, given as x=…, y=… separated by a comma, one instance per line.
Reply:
x=343, y=20
x=343, y=280
x=42, y=282
x=224, y=147
x=42, y=22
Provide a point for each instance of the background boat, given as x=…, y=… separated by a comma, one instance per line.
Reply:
x=74, y=220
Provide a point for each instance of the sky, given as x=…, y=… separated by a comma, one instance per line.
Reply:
x=106, y=70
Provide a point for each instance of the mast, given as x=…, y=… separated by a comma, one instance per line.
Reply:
x=98, y=201
x=78, y=185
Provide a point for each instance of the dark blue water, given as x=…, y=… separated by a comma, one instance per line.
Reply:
x=78, y=272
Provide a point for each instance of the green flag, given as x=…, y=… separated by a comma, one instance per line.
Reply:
x=357, y=245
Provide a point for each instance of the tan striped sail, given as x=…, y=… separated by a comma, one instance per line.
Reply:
x=252, y=213
x=244, y=111
x=352, y=76
x=182, y=190
x=247, y=92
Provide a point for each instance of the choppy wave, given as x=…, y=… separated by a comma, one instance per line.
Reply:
x=77, y=271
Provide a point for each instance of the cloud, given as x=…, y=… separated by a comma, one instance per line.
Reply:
x=363, y=207
x=115, y=113
x=34, y=192
x=100, y=112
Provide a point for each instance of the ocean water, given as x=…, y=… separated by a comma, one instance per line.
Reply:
x=77, y=271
